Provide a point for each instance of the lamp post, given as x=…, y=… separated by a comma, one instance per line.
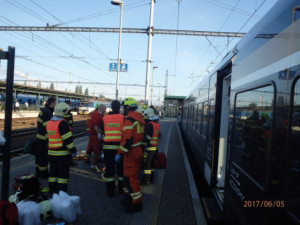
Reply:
x=154, y=67
x=119, y=3
x=159, y=93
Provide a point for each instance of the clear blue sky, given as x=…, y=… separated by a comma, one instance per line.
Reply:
x=48, y=55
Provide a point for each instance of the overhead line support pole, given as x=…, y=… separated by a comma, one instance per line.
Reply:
x=150, y=35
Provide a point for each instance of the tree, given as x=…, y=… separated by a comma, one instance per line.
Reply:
x=76, y=89
x=52, y=86
x=252, y=105
x=86, y=92
x=39, y=84
x=80, y=89
x=25, y=83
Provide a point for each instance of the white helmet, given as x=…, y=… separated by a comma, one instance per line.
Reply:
x=61, y=109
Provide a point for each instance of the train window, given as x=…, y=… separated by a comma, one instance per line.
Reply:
x=199, y=119
x=252, y=131
x=195, y=116
x=204, y=119
x=294, y=157
x=211, y=118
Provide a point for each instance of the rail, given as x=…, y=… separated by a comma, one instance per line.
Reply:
x=32, y=131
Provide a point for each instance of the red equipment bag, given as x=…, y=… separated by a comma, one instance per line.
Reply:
x=160, y=161
x=28, y=185
x=8, y=213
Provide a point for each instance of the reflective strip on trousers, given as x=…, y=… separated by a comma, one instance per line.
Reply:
x=125, y=190
x=136, y=195
x=52, y=179
x=62, y=180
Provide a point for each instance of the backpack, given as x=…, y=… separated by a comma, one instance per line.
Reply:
x=160, y=161
x=28, y=185
x=8, y=213
x=31, y=146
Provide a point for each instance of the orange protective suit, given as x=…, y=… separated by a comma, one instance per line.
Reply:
x=130, y=147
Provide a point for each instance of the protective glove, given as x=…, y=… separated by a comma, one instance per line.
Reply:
x=74, y=152
x=118, y=158
x=88, y=134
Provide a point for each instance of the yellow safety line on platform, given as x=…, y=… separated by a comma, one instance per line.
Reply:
x=21, y=166
x=76, y=171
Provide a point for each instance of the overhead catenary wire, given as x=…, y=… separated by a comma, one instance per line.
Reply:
x=247, y=21
x=82, y=39
x=220, y=29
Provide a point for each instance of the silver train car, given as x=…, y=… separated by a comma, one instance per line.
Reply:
x=242, y=123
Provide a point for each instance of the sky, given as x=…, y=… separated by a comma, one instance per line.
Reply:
x=52, y=56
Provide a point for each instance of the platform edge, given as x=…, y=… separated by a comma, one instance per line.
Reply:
x=198, y=210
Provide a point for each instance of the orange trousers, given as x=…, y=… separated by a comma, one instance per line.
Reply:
x=131, y=166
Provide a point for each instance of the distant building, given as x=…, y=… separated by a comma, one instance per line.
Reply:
x=173, y=105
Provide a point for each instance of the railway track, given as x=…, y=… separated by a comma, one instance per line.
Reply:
x=20, y=137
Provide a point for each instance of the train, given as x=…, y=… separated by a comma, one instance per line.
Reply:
x=32, y=100
x=242, y=123
x=86, y=107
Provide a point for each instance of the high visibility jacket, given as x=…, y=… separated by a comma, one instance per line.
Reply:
x=152, y=138
x=69, y=119
x=44, y=116
x=132, y=132
x=60, y=138
x=88, y=122
x=113, y=125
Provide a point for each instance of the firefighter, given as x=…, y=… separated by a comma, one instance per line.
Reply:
x=69, y=116
x=151, y=135
x=88, y=128
x=69, y=119
x=112, y=126
x=96, y=135
x=131, y=150
x=60, y=147
x=149, y=112
x=41, y=158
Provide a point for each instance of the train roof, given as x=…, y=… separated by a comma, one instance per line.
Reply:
x=273, y=22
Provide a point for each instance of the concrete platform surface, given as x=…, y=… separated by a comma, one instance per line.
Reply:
x=167, y=201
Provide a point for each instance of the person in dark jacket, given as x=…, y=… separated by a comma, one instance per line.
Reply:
x=69, y=119
x=60, y=147
x=41, y=158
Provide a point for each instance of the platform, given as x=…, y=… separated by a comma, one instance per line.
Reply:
x=171, y=199
x=24, y=114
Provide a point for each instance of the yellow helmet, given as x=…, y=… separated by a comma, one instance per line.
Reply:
x=144, y=106
x=61, y=109
x=97, y=106
x=131, y=102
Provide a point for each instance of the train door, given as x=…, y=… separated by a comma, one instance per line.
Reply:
x=223, y=135
x=220, y=131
